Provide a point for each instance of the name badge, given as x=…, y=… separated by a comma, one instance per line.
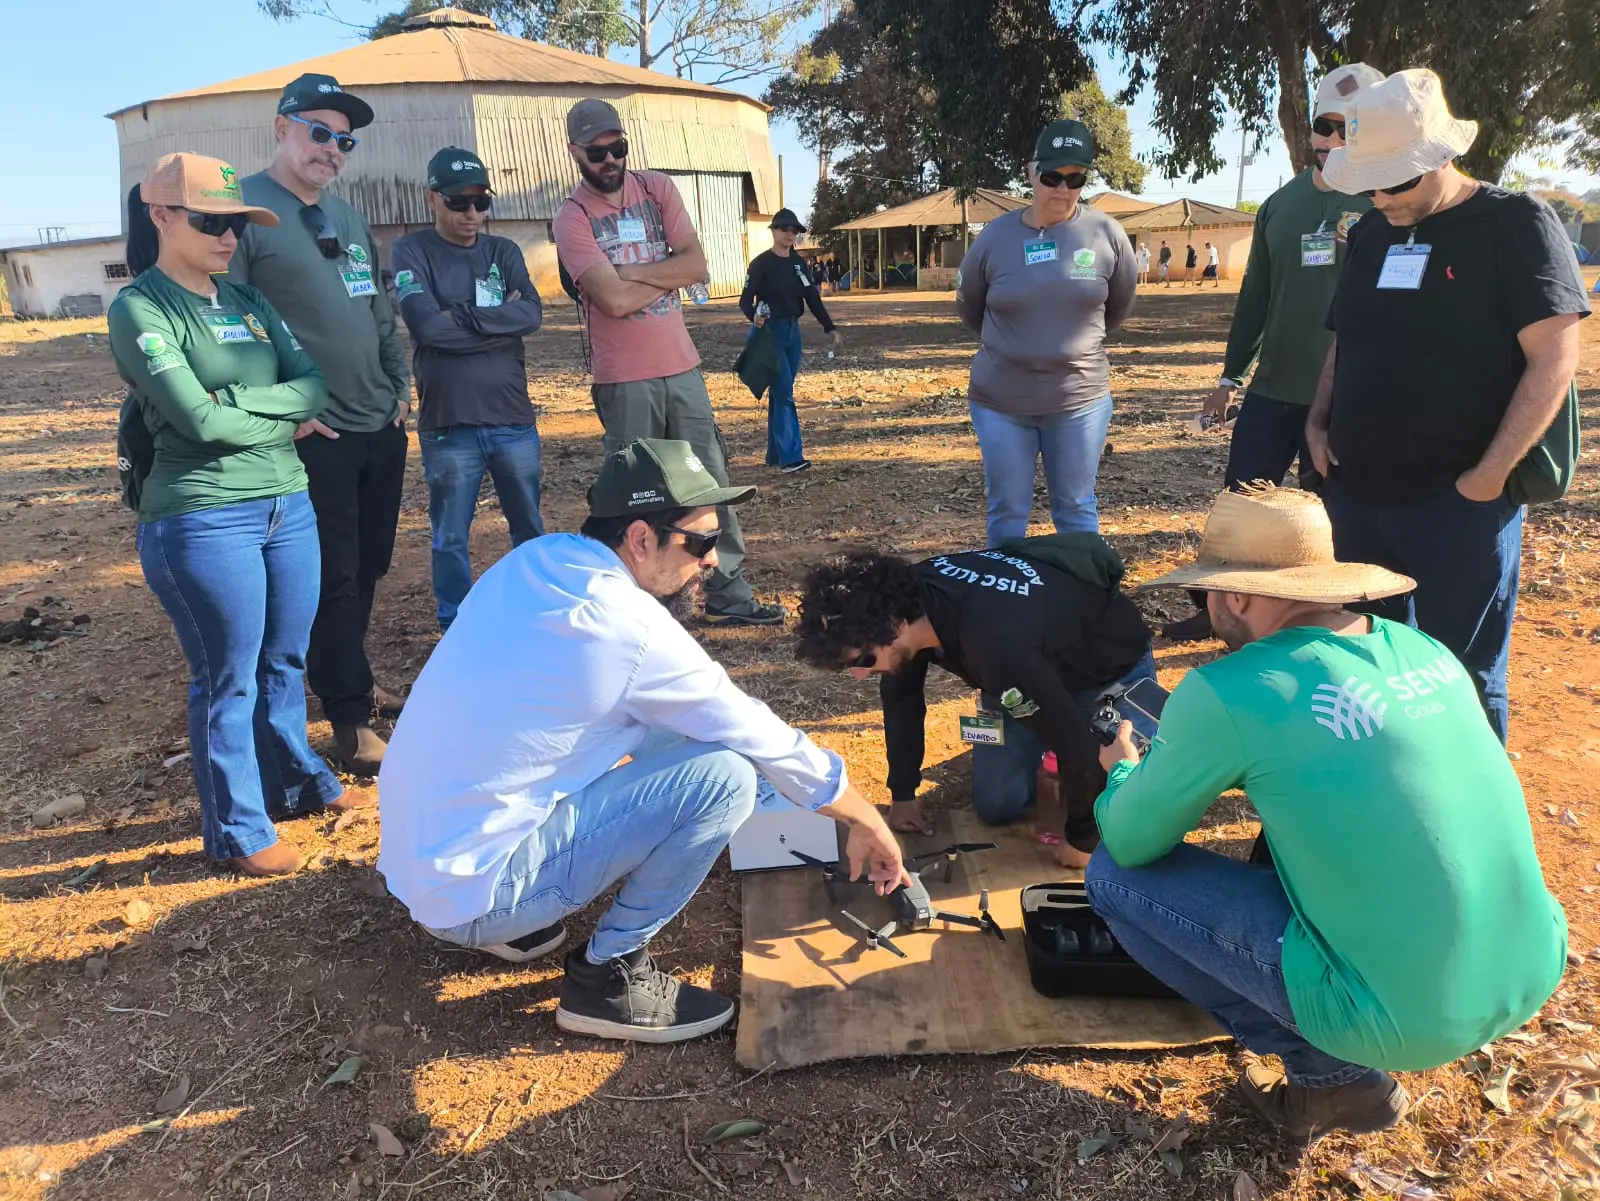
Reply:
x=1403, y=267
x=1039, y=252
x=228, y=327
x=488, y=294
x=985, y=731
x=359, y=283
x=630, y=229
x=1317, y=250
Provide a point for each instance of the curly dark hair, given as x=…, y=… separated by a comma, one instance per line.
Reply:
x=855, y=601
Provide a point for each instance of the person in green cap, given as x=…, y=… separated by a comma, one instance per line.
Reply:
x=466, y=297
x=1043, y=286
x=319, y=267
x=569, y=732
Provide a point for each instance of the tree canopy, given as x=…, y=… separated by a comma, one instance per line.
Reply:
x=1114, y=160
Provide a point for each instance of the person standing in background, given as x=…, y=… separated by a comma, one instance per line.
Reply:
x=1144, y=262
x=1212, y=265
x=778, y=281
x=319, y=268
x=626, y=239
x=466, y=298
x=1190, y=259
x=1043, y=286
x=1166, y=264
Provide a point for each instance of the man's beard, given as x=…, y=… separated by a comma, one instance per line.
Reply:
x=1230, y=629
x=1320, y=157
x=602, y=182
x=683, y=603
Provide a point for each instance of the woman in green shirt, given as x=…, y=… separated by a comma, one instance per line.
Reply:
x=227, y=537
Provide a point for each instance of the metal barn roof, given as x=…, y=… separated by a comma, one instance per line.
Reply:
x=942, y=208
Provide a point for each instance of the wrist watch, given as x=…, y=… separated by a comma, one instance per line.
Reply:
x=1225, y=382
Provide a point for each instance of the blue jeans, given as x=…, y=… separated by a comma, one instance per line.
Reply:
x=1070, y=444
x=1267, y=437
x=454, y=458
x=1467, y=560
x=240, y=585
x=1211, y=928
x=661, y=820
x=1005, y=779
x=783, y=423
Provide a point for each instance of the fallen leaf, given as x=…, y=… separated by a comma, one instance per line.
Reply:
x=83, y=877
x=58, y=810
x=94, y=967
x=1140, y=1129
x=723, y=1131
x=1570, y=1026
x=189, y=942
x=1174, y=1136
x=155, y=1127
x=384, y=1137
x=1104, y=1140
x=174, y=760
x=1495, y=1092
x=136, y=912
x=1569, y=818
x=346, y=1072
x=175, y=1096
x=605, y=1192
x=1173, y=1162
x=561, y=1194
x=793, y=1173
x=1244, y=1189
x=345, y=818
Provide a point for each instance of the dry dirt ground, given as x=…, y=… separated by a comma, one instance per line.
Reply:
x=135, y=978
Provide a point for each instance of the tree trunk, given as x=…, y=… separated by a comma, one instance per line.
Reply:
x=1289, y=33
x=645, y=58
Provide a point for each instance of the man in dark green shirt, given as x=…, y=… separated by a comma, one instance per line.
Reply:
x=319, y=268
x=1405, y=920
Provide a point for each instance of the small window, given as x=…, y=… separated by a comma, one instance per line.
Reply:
x=27, y=275
x=117, y=271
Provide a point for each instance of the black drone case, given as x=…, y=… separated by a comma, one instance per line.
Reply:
x=1057, y=914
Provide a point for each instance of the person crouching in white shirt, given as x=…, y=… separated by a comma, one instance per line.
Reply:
x=504, y=802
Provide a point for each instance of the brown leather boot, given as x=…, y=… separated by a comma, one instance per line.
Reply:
x=280, y=859
x=354, y=797
x=1363, y=1107
x=388, y=704
x=359, y=748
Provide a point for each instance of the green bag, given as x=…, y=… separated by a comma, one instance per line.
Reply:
x=1546, y=472
x=758, y=363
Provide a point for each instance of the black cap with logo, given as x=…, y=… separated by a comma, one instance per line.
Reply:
x=312, y=92
x=1064, y=143
x=454, y=170
x=786, y=219
x=652, y=474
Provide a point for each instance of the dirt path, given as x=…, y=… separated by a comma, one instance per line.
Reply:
x=255, y=992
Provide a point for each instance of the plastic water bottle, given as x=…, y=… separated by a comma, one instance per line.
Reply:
x=699, y=293
x=763, y=310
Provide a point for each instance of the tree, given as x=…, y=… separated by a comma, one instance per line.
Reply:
x=1114, y=159
x=1524, y=69
x=719, y=41
x=1249, y=206
x=588, y=26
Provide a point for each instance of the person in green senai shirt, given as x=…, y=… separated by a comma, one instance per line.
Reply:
x=227, y=537
x=1405, y=921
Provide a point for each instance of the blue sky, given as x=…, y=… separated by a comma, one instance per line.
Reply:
x=126, y=51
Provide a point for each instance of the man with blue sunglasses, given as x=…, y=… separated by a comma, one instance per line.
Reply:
x=320, y=270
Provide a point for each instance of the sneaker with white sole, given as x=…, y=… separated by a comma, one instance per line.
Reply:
x=525, y=949
x=631, y=998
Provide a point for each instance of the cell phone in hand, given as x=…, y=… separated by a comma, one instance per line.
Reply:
x=1146, y=697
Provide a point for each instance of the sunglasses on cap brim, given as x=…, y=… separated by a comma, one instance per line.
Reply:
x=1327, y=127
x=460, y=204
x=322, y=135
x=1394, y=191
x=214, y=225
x=1054, y=179
x=598, y=154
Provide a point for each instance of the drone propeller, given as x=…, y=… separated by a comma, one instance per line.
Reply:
x=949, y=853
x=813, y=861
x=876, y=938
x=985, y=921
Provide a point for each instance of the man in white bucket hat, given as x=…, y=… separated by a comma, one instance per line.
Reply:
x=1405, y=920
x=1456, y=341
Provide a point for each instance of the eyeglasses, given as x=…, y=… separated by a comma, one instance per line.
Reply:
x=1327, y=127
x=1394, y=191
x=214, y=225
x=598, y=154
x=322, y=135
x=697, y=544
x=1054, y=179
x=863, y=661
x=460, y=204
x=323, y=231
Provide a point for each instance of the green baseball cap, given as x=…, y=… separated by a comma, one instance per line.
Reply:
x=312, y=92
x=1064, y=144
x=454, y=170
x=652, y=474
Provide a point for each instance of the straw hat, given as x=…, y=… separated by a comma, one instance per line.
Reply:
x=1279, y=543
x=1397, y=130
x=200, y=184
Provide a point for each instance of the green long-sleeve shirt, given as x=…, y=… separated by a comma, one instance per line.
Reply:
x=337, y=307
x=1422, y=927
x=1296, y=253
x=222, y=384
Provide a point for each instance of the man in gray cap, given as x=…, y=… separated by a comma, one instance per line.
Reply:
x=319, y=268
x=626, y=239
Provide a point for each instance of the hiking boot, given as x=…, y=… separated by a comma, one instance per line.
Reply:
x=518, y=950
x=388, y=704
x=1375, y=1102
x=631, y=998
x=359, y=749
x=280, y=859
x=1190, y=629
x=752, y=614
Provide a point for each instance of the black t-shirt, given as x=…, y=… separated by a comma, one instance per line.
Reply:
x=1424, y=376
x=1190, y=258
x=1166, y=254
x=1010, y=621
x=786, y=284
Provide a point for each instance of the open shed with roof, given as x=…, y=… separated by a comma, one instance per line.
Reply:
x=942, y=210
x=1181, y=223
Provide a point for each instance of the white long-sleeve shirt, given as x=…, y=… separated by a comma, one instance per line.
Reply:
x=557, y=666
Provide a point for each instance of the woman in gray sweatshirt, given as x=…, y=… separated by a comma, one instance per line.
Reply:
x=1043, y=286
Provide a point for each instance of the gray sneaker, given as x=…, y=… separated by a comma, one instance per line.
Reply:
x=631, y=998
x=752, y=614
x=519, y=950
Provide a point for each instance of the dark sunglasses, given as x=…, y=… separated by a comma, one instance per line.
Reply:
x=698, y=545
x=214, y=225
x=322, y=135
x=1326, y=127
x=460, y=204
x=598, y=154
x=1394, y=191
x=323, y=231
x=789, y=229
x=1054, y=179
x=863, y=661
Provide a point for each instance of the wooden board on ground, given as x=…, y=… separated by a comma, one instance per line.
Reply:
x=812, y=991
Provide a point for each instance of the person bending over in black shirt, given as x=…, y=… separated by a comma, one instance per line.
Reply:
x=1040, y=627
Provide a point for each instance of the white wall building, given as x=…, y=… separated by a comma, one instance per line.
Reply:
x=77, y=278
